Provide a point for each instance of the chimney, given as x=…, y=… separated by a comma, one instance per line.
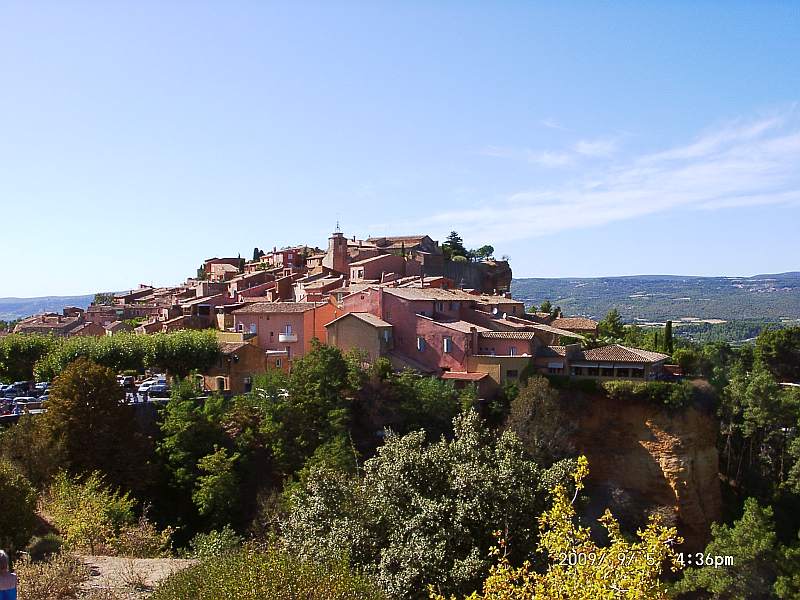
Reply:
x=473, y=332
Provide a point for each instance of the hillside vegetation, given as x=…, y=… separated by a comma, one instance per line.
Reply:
x=658, y=298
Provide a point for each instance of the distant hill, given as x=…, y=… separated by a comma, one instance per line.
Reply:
x=661, y=297
x=17, y=308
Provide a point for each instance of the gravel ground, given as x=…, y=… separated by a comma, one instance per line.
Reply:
x=130, y=578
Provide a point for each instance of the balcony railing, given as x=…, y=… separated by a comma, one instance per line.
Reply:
x=287, y=337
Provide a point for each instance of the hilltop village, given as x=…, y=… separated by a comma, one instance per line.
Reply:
x=406, y=298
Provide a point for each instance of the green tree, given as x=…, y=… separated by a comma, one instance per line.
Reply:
x=216, y=490
x=612, y=326
x=779, y=351
x=424, y=513
x=669, y=344
x=88, y=420
x=314, y=410
x=190, y=430
x=484, y=252
x=752, y=543
x=103, y=299
x=622, y=569
x=546, y=306
x=20, y=352
x=539, y=422
x=454, y=246
x=687, y=359
x=182, y=352
x=18, y=507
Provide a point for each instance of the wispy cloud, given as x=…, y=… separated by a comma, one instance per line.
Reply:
x=552, y=124
x=744, y=163
x=596, y=148
x=550, y=159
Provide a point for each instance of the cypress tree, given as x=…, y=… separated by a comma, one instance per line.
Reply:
x=668, y=344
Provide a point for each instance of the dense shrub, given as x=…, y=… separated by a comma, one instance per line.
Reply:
x=424, y=513
x=87, y=513
x=214, y=543
x=251, y=574
x=41, y=548
x=59, y=577
x=143, y=540
x=17, y=507
x=670, y=395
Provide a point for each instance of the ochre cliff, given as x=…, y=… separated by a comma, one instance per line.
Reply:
x=663, y=460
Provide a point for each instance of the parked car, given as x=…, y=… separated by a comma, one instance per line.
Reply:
x=159, y=390
x=144, y=387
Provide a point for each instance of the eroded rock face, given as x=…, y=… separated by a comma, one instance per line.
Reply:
x=662, y=458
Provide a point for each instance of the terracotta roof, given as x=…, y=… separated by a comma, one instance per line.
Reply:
x=496, y=299
x=412, y=293
x=231, y=347
x=574, y=323
x=369, y=260
x=276, y=307
x=509, y=335
x=368, y=318
x=619, y=353
x=462, y=326
x=555, y=330
x=463, y=376
x=353, y=288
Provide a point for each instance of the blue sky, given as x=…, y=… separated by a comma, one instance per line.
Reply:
x=581, y=139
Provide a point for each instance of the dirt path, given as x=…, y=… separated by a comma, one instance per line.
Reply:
x=130, y=578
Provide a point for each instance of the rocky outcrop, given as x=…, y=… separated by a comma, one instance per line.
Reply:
x=658, y=459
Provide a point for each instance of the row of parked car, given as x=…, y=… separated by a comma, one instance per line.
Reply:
x=24, y=388
x=155, y=386
x=23, y=397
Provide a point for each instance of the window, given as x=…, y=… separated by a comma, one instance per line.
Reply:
x=555, y=370
x=387, y=335
x=240, y=327
x=512, y=351
x=420, y=343
x=440, y=306
x=220, y=384
x=278, y=362
x=637, y=372
x=271, y=333
x=623, y=372
x=512, y=373
x=248, y=384
x=252, y=327
x=288, y=329
x=448, y=344
x=607, y=371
